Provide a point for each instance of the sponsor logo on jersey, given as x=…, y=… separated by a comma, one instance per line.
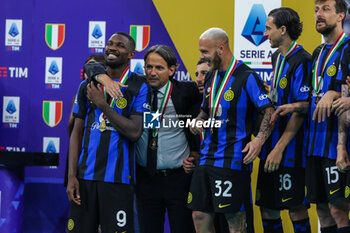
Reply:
x=286, y=199
x=223, y=205
x=331, y=192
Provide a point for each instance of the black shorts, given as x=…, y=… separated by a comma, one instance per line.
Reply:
x=324, y=182
x=108, y=204
x=219, y=190
x=282, y=189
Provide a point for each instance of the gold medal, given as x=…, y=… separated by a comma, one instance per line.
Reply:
x=153, y=144
x=102, y=126
x=317, y=99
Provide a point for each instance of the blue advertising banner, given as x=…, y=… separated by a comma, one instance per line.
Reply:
x=43, y=45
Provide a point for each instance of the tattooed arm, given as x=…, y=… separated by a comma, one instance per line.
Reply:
x=343, y=161
x=253, y=148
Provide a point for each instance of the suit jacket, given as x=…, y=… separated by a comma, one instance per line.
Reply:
x=187, y=100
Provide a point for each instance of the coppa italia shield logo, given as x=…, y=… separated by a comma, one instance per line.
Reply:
x=52, y=112
x=141, y=35
x=54, y=35
x=255, y=26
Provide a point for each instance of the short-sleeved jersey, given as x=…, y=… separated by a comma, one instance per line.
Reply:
x=323, y=137
x=292, y=87
x=243, y=96
x=106, y=155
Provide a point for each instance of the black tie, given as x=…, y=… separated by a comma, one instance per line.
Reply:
x=152, y=141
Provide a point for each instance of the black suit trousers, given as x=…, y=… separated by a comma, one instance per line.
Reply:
x=159, y=193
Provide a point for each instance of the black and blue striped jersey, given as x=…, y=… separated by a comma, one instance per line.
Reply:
x=105, y=154
x=292, y=87
x=323, y=137
x=243, y=97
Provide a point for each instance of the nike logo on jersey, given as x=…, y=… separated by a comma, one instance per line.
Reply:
x=223, y=206
x=287, y=199
x=331, y=192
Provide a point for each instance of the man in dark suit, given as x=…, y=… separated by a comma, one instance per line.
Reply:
x=162, y=183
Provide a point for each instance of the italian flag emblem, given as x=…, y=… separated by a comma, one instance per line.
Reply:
x=52, y=112
x=54, y=35
x=141, y=35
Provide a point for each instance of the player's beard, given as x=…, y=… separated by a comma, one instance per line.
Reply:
x=215, y=61
x=326, y=30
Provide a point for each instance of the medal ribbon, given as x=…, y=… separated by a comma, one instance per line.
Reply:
x=279, y=65
x=214, y=100
x=164, y=103
x=122, y=80
x=316, y=77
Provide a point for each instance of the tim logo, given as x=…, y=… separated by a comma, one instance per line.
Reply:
x=255, y=25
x=151, y=120
x=14, y=72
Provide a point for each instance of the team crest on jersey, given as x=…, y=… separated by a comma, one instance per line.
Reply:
x=283, y=83
x=347, y=191
x=229, y=95
x=189, y=198
x=121, y=103
x=331, y=70
x=54, y=35
x=70, y=224
x=208, y=90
